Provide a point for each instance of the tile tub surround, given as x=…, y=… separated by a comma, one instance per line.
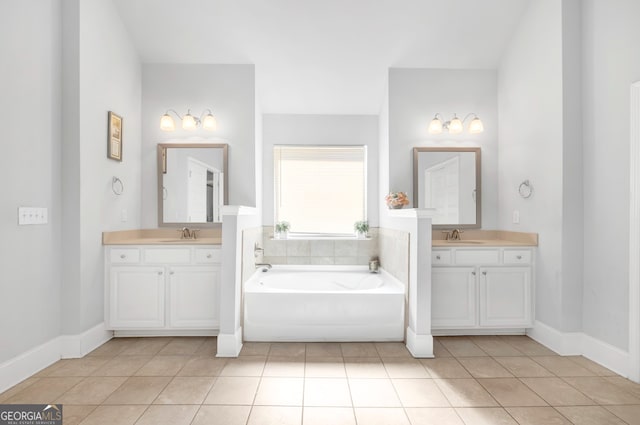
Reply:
x=489, y=238
x=331, y=383
x=319, y=251
x=394, y=253
x=164, y=236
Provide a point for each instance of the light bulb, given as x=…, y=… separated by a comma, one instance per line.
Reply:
x=435, y=127
x=475, y=126
x=455, y=125
x=189, y=122
x=167, y=123
x=210, y=123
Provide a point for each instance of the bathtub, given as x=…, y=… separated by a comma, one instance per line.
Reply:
x=323, y=303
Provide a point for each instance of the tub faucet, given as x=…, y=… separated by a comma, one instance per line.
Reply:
x=265, y=266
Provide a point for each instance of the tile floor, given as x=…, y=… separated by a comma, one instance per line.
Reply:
x=473, y=381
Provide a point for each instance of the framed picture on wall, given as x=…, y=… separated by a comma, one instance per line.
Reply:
x=114, y=137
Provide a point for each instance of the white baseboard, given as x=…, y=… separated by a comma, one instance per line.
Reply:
x=229, y=345
x=420, y=346
x=19, y=368
x=165, y=332
x=581, y=344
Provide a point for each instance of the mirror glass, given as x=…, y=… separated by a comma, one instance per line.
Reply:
x=192, y=183
x=448, y=180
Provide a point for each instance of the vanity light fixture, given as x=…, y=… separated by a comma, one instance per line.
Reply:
x=455, y=125
x=189, y=122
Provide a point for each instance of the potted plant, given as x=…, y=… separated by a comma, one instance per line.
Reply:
x=396, y=200
x=361, y=228
x=282, y=229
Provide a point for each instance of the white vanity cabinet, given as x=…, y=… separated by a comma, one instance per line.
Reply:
x=479, y=289
x=155, y=289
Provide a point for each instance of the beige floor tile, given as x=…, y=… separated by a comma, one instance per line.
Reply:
x=122, y=366
x=113, y=415
x=523, y=367
x=495, y=347
x=562, y=366
x=113, y=347
x=328, y=367
x=381, y=416
x=222, y=415
x=511, y=392
x=590, y=415
x=465, y=393
x=537, y=416
x=203, y=366
x=81, y=367
x=17, y=388
x=630, y=414
x=280, y=392
x=139, y=390
x=461, y=347
x=592, y=366
x=433, y=416
x=146, y=346
x=163, y=366
x=602, y=391
x=556, y=392
x=625, y=384
x=527, y=346
x=270, y=415
x=183, y=346
x=327, y=392
x=392, y=349
x=439, y=351
x=168, y=415
x=484, y=367
x=208, y=348
x=419, y=393
x=373, y=393
x=233, y=390
x=255, y=349
x=447, y=367
x=92, y=390
x=486, y=416
x=244, y=366
x=52, y=367
x=358, y=349
x=323, y=349
x=365, y=367
x=404, y=368
x=328, y=416
x=287, y=349
x=185, y=390
x=284, y=366
x=74, y=414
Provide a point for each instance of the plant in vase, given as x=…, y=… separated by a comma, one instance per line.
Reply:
x=361, y=228
x=396, y=200
x=282, y=229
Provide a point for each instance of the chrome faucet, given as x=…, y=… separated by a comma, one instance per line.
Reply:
x=186, y=233
x=453, y=235
x=265, y=266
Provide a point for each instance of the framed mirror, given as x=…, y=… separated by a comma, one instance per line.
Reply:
x=192, y=183
x=448, y=180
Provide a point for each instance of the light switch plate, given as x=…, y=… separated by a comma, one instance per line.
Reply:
x=32, y=215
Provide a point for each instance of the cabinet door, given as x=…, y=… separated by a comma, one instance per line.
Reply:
x=136, y=297
x=505, y=297
x=453, y=297
x=194, y=294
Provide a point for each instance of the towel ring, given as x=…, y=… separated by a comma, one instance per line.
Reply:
x=117, y=186
x=525, y=189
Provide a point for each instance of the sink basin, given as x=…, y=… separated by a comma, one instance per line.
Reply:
x=468, y=241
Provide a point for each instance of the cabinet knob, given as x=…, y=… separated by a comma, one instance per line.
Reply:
x=209, y=255
x=437, y=257
x=519, y=257
x=473, y=273
x=171, y=272
x=123, y=256
x=159, y=273
x=484, y=273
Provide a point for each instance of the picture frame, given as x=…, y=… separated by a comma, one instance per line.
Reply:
x=114, y=137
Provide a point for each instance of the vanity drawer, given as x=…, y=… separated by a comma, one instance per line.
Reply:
x=124, y=255
x=440, y=258
x=167, y=255
x=516, y=256
x=208, y=255
x=477, y=256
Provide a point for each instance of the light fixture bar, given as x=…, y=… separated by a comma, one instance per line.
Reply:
x=189, y=122
x=455, y=125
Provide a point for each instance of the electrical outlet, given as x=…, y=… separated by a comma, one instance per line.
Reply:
x=516, y=217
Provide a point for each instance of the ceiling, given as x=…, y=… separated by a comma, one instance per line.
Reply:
x=323, y=57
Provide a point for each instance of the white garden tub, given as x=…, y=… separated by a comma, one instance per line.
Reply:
x=323, y=303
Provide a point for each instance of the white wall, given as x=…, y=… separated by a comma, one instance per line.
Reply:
x=415, y=96
x=611, y=39
x=30, y=256
x=283, y=129
x=103, y=58
x=229, y=91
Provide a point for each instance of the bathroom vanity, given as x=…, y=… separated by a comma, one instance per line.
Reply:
x=483, y=285
x=156, y=286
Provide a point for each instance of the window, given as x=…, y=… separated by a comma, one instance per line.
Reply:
x=320, y=189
